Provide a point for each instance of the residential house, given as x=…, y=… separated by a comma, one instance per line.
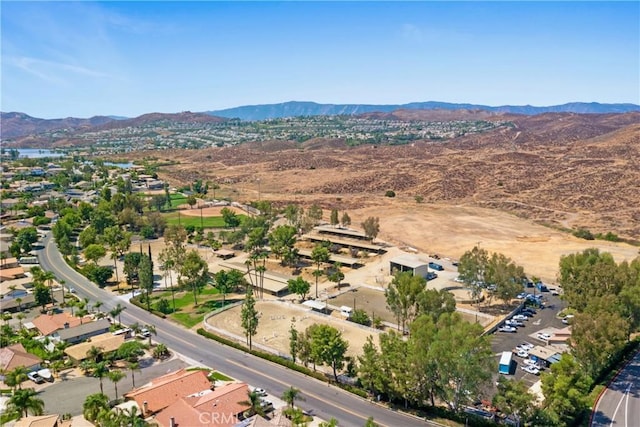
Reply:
x=52, y=420
x=220, y=407
x=15, y=355
x=79, y=333
x=167, y=389
x=108, y=342
x=47, y=324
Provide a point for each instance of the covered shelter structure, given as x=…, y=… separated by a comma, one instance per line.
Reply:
x=410, y=263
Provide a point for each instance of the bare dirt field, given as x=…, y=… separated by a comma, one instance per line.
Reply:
x=208, y=212
x=275, y=321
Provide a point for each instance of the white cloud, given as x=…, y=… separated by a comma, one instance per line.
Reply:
x=54, y=72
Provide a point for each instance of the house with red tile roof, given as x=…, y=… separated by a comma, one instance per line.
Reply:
x=15, y=355
x=167, y=389
x=221, y=407
x=47, y=324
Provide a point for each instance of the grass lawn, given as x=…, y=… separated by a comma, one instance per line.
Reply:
x=177, y=199
x=209, y=299
x=220, y=377
x=174, y=218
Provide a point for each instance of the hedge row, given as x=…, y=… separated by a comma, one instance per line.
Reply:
x=136, y=301
x=279, y=360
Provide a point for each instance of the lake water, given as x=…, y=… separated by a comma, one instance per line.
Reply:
x=127, y=165
x=37, y=153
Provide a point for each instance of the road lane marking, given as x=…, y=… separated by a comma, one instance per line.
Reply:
x=626, y=407
x=626, y=394
x=306, y=392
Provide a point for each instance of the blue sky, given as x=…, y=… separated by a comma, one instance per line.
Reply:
x=82, y=59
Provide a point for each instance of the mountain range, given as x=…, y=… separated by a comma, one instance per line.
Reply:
x=296, y=108
x=16, y=124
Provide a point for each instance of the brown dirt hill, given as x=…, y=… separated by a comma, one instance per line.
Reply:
x=567, y=170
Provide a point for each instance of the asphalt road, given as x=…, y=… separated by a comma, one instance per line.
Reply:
x=325, y=401
x=619, y=405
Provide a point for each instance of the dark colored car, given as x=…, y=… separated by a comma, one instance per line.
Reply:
x=431, y=275
x=436, y=266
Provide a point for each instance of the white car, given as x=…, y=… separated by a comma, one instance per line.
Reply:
x=523, y=353
x=529, y=362
x=527, y=346
x=520, y=317
x=543, y=336
x=515, y=323
x=567, y=319
x=260, y=391
x=507, y=329
x=531, y=369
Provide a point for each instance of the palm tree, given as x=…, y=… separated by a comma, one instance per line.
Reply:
x=93, y=405
x=95, y=353
x=19, y=301
x=290, y=395
x=254, y=403
x=97, y=305
x=20, y=317
x=152, y=330
x=116, y=311
x=134, y=366
x=62, y=283
x=100, y=371
x=49, y=277
x=115, y=377
x=16, y=377
x=24, y=401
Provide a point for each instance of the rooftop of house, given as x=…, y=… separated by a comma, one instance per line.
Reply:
x=49, y=323
x=167, y=389
x=15, y=355
x=38, y=421
x=219, y=407
x=107, y=342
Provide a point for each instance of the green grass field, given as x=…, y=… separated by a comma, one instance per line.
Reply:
x=177, y=199
x=187, y=313
x=174, y=218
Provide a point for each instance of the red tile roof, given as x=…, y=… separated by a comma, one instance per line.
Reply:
x=167, y=389
x=48, y=324
x=220, y=407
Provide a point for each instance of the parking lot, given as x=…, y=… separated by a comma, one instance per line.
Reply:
x=539, y=322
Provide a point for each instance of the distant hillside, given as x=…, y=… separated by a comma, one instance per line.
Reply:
x=15, y=125
x=19, y=124
x=295, y=108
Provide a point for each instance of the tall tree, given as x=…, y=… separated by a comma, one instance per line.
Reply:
x=196, y=272
x=254, y=402
x=293, y=340
x=319, y=255
x=345, y=220
x=24, y=401
x=290, y=396
x=333, y=218
x=472, y=269
x=329, y=347
x=402, y=297
x=371, y=227
x=513, y=398
x=299, y=286
x=464, y=359
x=116, y=376
x=145, y=275
x=93, y=405
x=249, y=316
x=566, y=388
x=282, y=240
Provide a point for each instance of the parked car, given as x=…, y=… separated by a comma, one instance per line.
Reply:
x=515, y=323
x=144, y=333
x=522, y=295
x=458, y=280
x=567, y=319
x=520, y=317
x=543, y=336
x=431, y=275
x=531, y=369
x=529, y=309
x=522, y=353
x=527, y=345
x=33, y=376
x=260, y=391
x=436, y=266
x=507, y=329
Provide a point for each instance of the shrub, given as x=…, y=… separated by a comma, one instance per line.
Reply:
x=361, y=317
x=583, y=233
x=419, y=199
x=163, y=306
x=390, y=193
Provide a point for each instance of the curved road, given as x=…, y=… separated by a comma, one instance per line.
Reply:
x=619, y=405
x=325, y=401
